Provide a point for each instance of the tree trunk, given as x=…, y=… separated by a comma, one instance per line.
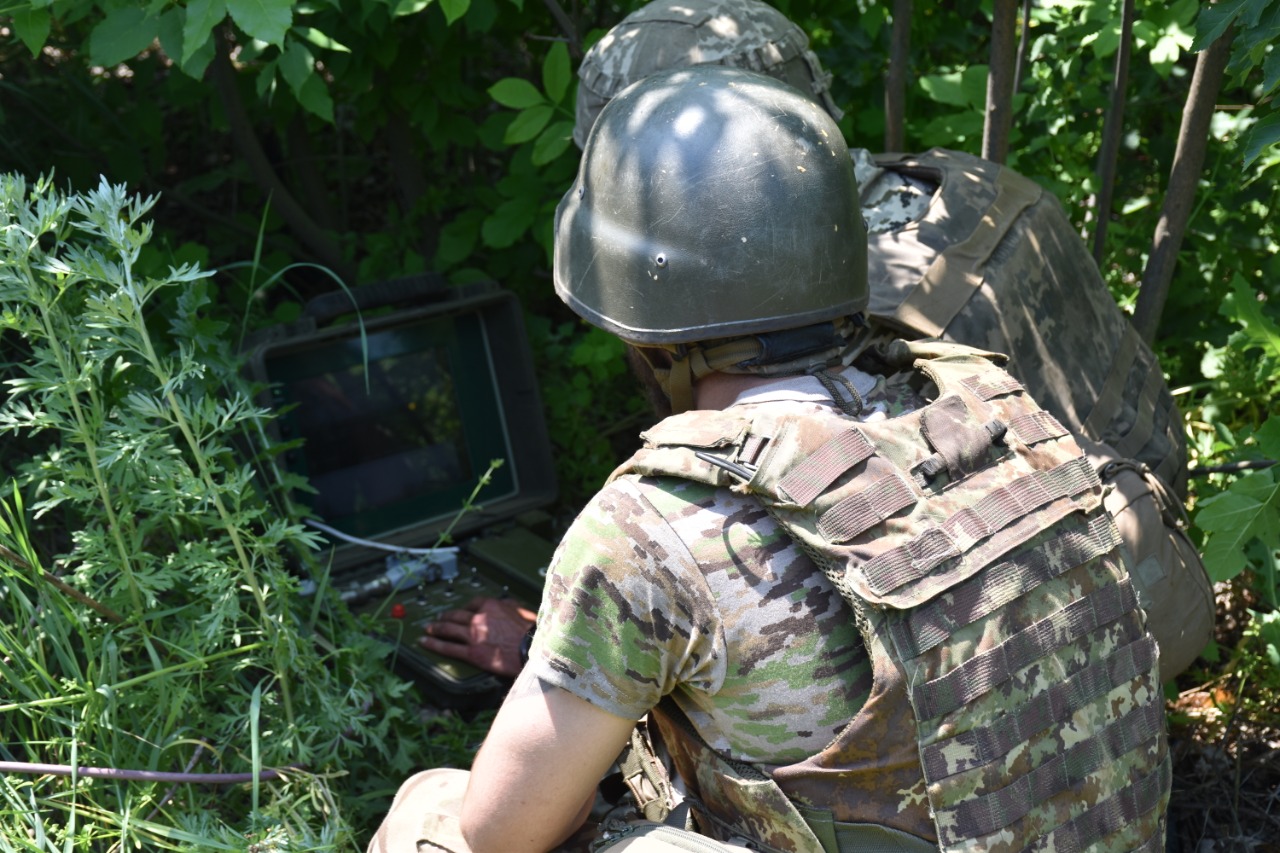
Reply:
x=895, y=83
x=995, y=131
x=1184, y=177
x=1022, y=46
x=1112, y=131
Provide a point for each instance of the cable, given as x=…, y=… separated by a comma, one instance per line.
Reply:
x=1232, y=467
x=380, y=546
x=136, y=775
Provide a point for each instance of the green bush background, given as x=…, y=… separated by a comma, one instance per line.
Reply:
x=292, y=143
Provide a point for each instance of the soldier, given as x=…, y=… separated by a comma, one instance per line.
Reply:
x=963, y=250
x=866, y=591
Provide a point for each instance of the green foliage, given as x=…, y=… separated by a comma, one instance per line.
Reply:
x=152, y=620
x=1257, y=24
x=384, y=137
x=1242, y=522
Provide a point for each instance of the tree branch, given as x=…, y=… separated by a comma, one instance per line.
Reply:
x=567, y=27
x=1023, y=41
x=895, y=82
x=1184, y=178
x=1112, y=131
x=995, y=131
x=315, y=239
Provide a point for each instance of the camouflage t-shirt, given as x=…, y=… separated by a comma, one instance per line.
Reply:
x=665, y=586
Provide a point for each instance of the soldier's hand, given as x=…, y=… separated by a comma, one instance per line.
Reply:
x=485, y=633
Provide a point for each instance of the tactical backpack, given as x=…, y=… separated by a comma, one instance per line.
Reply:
x=1016, y=693
x=995, y=264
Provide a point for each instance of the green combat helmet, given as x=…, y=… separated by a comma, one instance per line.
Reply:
x=668, y=34
x=715, y=216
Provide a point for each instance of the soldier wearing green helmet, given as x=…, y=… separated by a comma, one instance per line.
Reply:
x=963, y=250
x=866, y=593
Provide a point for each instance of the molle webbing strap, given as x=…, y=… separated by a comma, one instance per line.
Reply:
x=1003, y=506
x=984, y=815
x=1112, y=814
x=983, y=672
x=1036, y=427
x=931, y=624
x=1054, y=706
x=1140, y=433
x=818, y=471
x=1112, y=394
x=988, y=386
x=861, y=511
x=1174, y=464
x=956, y=273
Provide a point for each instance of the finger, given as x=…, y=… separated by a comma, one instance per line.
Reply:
x=446, y=648
x=448, y=631
x=458, y=617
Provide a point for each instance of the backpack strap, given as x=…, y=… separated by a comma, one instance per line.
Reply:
x=955, y=274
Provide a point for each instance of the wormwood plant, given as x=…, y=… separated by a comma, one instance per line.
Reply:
x=149, y=617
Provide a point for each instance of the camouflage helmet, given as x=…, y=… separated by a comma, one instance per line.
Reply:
x=714, y=204
x=668, y=34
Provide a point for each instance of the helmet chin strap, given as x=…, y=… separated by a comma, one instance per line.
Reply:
x=691, y=362
x=678, y=367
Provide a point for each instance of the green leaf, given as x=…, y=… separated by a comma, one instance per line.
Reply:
x=1243, y=307
x=265, y=84
x=321, y=40
x=315, y=98
x=516, y=93
x=1268, y=436
x=265, y=20
x=528, y=124
x=555, y=72
x=1213, y=22
x=1166, y=51
x=297, y=65
x=1260, y=137
x=31, y=26
x=509, y=222
x=944, y=88
x=552, y=143
x=458, y=239
x=195, y=65
x=265, y=81
x=967, y=88
x=409, y=7
x=122, y=35
x=1253, y=11
x=1228, y=517
x=454, y=9
x=1107, y=40
x=1270, y=72
x=1268, y=628
x=202, y=17
x=1248, y=510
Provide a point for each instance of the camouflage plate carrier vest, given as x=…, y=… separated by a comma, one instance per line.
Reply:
x=1016, y=703
x=994, y=263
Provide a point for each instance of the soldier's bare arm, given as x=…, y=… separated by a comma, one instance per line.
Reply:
x=534, y=779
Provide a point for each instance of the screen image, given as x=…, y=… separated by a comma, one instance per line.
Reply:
x=403, y=441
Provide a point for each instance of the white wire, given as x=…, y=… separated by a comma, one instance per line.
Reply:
x=381, y=546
